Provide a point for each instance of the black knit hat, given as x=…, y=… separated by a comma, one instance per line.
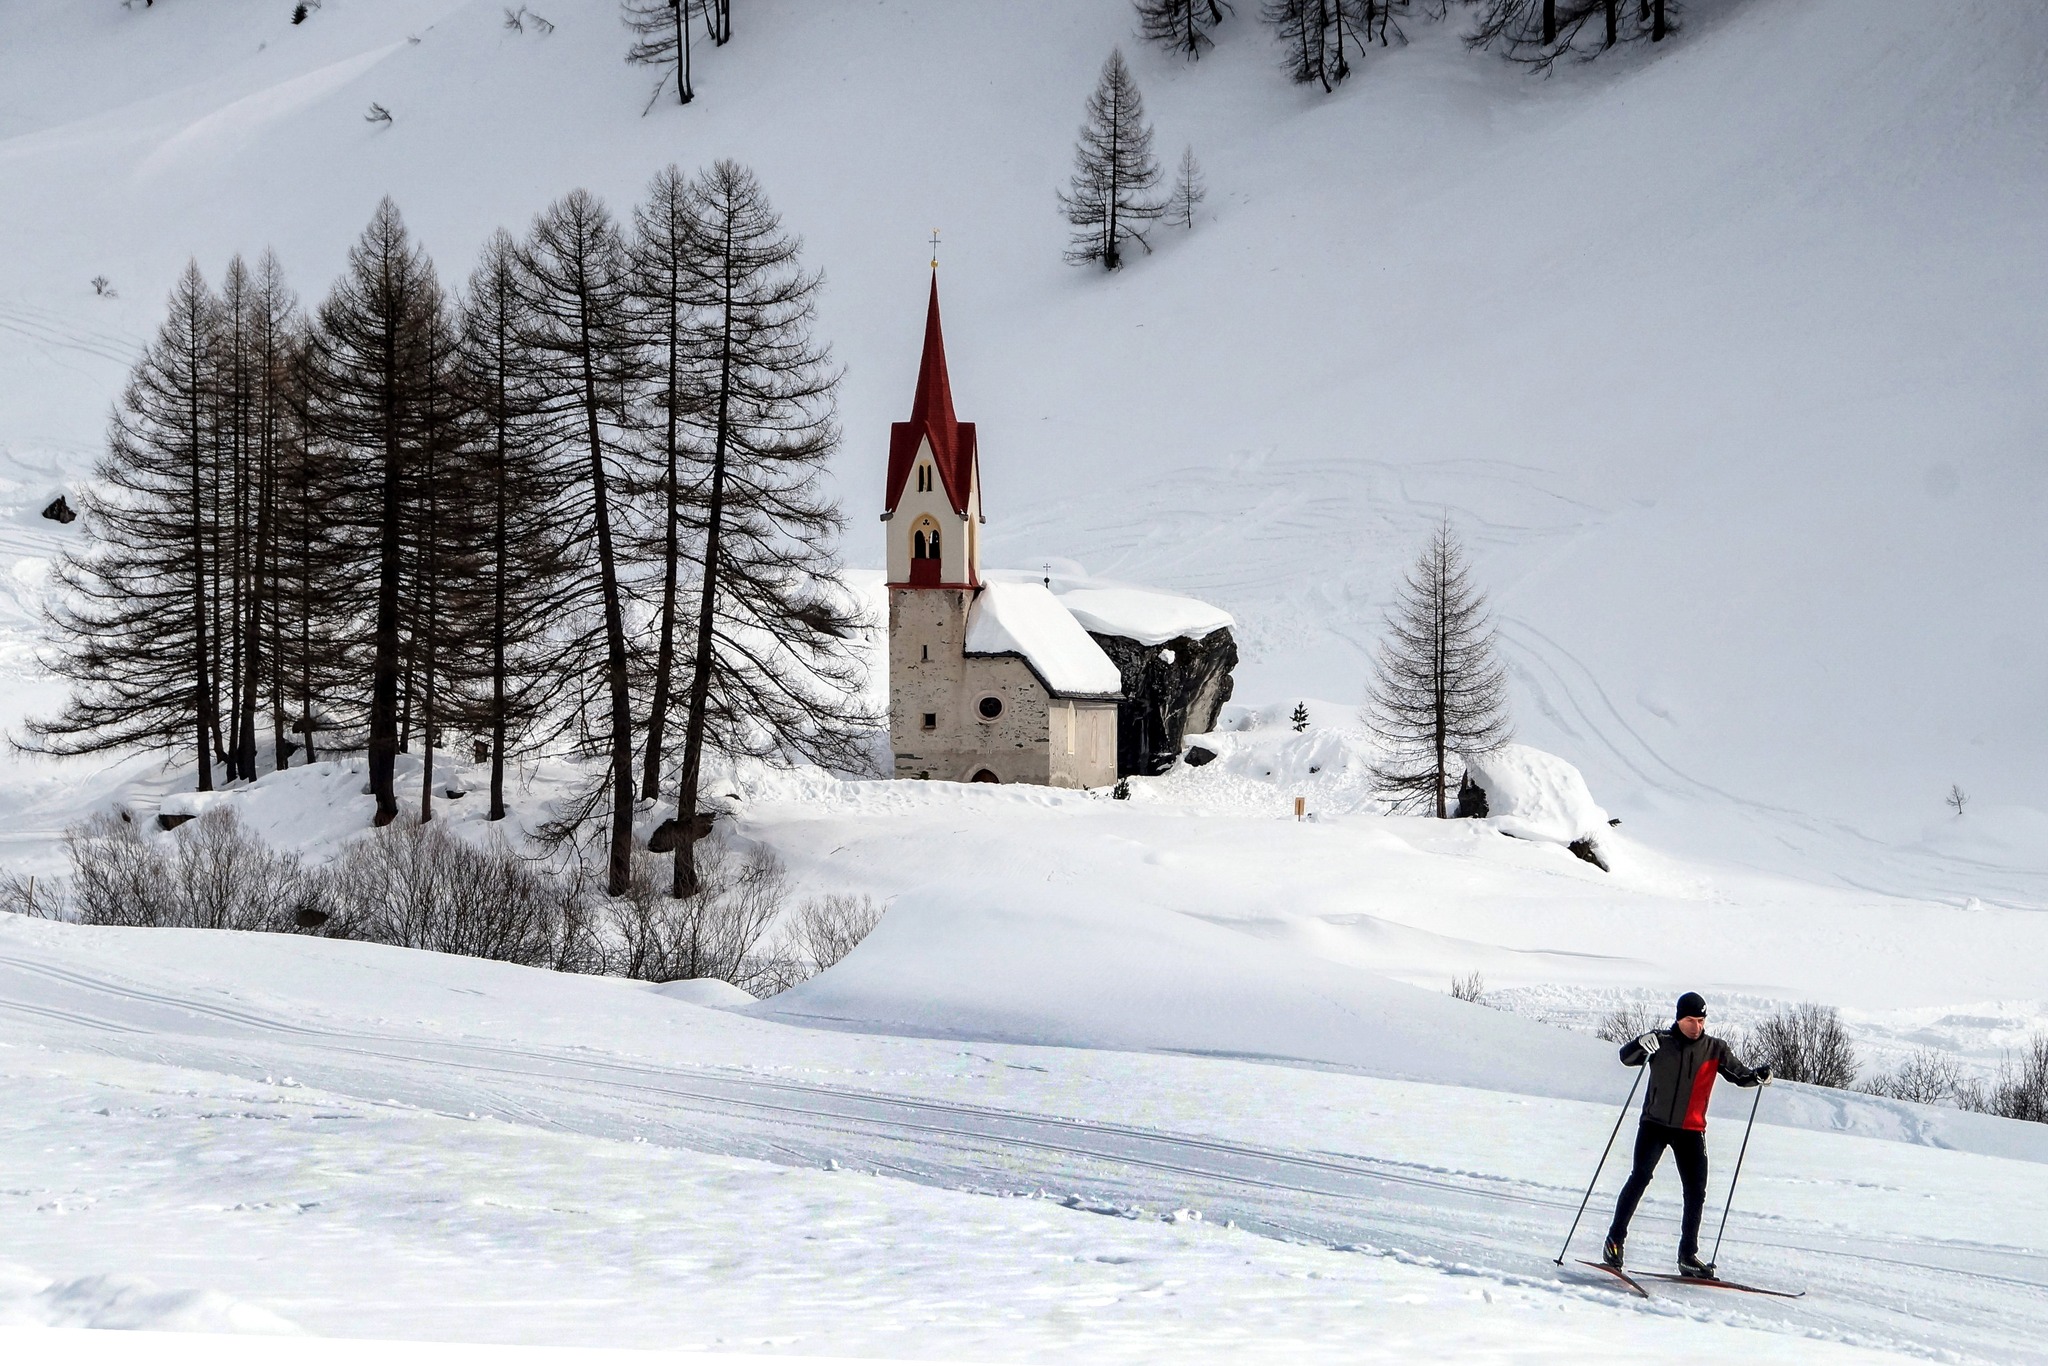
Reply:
x=1690, y=1004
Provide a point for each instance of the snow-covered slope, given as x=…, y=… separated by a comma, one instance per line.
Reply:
x=1722, y=359
x=362, y=1141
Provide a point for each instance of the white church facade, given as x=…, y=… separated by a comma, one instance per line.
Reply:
x=1000, y=680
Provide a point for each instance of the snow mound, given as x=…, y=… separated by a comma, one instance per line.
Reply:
x=704, y=991
x=1535, y=796
x=1140, y=614
x=974, y=961
x=1026, y=619
x=127, y=1302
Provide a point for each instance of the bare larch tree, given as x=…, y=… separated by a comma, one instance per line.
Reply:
x=575, y=273
x=662, y=251
x=1111, y=199
x=1438, y=686
x=1189, y=190
x=373, y=378
x=523, y=560
x=1181, y=26
x=661, y=37
x=132, y=618
x=1537, y=33
x=1315, y=36
x=772, y=673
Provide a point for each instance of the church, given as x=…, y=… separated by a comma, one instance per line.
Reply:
x=997, y=678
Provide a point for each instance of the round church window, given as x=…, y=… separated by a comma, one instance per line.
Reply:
x=990, y=708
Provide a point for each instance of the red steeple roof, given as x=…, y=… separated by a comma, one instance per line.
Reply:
x=931, y=419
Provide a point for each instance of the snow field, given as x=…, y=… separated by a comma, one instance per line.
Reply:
x=374, y=1143
x=1722, y=362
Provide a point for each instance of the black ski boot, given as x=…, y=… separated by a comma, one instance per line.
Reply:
x=1690, y=1265
x=1611, y=1254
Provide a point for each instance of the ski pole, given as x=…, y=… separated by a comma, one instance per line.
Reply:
x=1603, y=1160
x=1744, y=1152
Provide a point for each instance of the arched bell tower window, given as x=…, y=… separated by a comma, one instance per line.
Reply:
x=924, y=540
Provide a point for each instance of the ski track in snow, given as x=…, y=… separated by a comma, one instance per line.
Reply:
x=1985, y=1298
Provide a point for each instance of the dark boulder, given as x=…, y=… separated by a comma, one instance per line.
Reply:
x=1471, y=800
x=664, y=838
x=171, y=820
x=1197, y=756
x=1171, y=690
x=60, y=511
x=1586, y=849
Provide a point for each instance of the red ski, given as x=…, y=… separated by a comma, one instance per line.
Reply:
x=1725, y=1285
x=1618, y=1275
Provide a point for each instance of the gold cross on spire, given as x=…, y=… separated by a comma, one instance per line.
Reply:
x=935, y=248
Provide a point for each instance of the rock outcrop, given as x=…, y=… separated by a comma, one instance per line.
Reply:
x=1172, y=689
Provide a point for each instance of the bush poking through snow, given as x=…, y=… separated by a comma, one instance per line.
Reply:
x=1805, y=1043
x=1471, y=987
x=2021, y=1090
x=21, y=896
x=1929, y=1077
x=210, y=875
x=424, y=887
x=1629, y=1021
x=827, y=928
x=717, y=931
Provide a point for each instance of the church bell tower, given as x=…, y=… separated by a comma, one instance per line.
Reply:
x=933, y=529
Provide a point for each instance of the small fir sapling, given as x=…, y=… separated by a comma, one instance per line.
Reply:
x=1189, y=190
x=1300, y=717
x=1957, y=798
x=1122, y=790
x=103, y=287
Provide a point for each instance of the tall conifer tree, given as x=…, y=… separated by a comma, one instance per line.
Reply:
x=132, y=618
x=1112, y=197
x=1438, y=688
x=586, y=366
x=771, y=671
x=374, y=376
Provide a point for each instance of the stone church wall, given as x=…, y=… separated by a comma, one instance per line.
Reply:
x=929, y=676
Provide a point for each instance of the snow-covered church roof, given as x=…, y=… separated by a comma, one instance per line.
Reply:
x=1026, y=619
x=1143, y=615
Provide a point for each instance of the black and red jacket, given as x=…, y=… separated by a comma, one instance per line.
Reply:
x=1682, y=1073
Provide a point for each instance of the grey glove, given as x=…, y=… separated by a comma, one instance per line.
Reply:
x=1649, y=1043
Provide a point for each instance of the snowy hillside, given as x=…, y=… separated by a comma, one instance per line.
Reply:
x=1721, y=359
x=366, y=1142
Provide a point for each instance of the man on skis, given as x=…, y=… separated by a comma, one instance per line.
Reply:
x=1683, y=1061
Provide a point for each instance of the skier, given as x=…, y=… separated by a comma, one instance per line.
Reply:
x=1683, y=1062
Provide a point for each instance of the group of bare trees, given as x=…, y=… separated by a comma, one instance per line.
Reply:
x=1317, y=38
x=575, y=507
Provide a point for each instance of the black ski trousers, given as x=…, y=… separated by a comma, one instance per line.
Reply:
x=1690, y=1151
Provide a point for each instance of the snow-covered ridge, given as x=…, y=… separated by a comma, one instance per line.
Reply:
x=1144, y=615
